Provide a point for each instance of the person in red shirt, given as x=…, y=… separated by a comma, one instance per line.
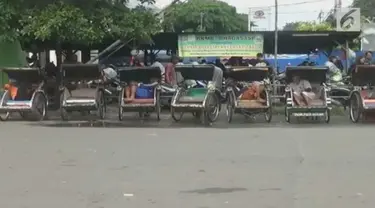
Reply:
x=170, y=73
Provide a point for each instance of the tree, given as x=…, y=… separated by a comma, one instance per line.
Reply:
x=367, y=7
x=203, y=15
x=83, y=21
x=308, y=26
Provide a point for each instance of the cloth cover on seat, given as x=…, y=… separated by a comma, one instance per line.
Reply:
x=194, y=95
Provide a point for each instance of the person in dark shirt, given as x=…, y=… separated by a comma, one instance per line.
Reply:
x=259, y=61
x=369, y=58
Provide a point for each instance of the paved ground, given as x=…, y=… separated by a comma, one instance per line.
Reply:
x=163, y=165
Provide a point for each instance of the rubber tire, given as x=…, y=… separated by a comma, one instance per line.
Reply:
x=39, y=97
x=5, y=117
x=287, y=115
x=174, y=117
x=360, y=107
x=268, y=115
x=230, y=107
x=327, y=116
x=158, y=105
x=101, y=105
x=63, y=112
x=217, y=107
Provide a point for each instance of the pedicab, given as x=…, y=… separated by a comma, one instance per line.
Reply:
x=253, y=80
x=24, y=94
x=362, y=97
x=320, y=103
x=82, y=90
x=203, y=102
x=147, y=97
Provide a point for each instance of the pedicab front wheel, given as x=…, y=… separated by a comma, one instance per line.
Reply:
x=101, y=105
x=40, y=106
x=63, y=112
x=177, y=117
x=327, y=115
x=4, y=117
x=355, y=108
x=287, y=115
x=268, y=114
x=230, y=107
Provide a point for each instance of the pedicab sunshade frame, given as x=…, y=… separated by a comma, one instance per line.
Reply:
x=249, y=74
x=30, y=77
x=140, y=75
x=363, y=79
x=82, y=99
x=315, y=75
x=207, y=105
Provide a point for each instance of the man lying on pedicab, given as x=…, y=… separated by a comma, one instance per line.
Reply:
x=302, y=91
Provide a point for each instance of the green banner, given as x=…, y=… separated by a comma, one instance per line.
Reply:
x=190, y=45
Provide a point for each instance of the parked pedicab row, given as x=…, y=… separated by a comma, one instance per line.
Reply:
x=83, y=89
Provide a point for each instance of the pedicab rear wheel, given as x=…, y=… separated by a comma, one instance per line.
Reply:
x=287, y=115
x=158, y=105
x=327, y=115
x=4, y=117
x=40, y=106
x=101, y=105
x=355, y=108
x=63, y=112
x=230, y=107
x=175, y=117
x=211, y=110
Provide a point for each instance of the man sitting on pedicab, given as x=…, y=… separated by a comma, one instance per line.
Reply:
x=302, y=91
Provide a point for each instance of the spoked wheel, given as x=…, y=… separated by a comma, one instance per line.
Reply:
x=268, y=114
x=287, y=115
x=158, y=105
x=40, y=106
x=212, y=109
x=4, y=116
x=355, y=108
x=327, y=115
x=120, y=109
x=63, y=112
x=230, y=107
x=177, y=116
x=101, y=105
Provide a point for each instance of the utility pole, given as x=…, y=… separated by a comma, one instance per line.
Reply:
x=276, y=39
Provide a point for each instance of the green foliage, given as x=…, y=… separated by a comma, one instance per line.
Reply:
x=213, y=15
x=84, y=21
x=367, y=7
x=308, y=26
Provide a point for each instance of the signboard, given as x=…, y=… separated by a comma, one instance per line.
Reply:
x=261, y=19
x=348, y=20
x=200, y=45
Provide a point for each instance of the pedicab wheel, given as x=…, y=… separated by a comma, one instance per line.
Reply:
x=158, y=105
x=4, y=117
x=213, y=108
x=120, y=113
x=177, y=117
x=197, y=114
x=327, y=115
x=63, y=112
x=230, y=107
x=287, y=115
x=355, y=108
x=101, y=105
x=268, y=114
x=40, y=106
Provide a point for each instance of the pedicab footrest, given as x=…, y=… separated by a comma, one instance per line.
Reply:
x=250, y=104
x=18, y=103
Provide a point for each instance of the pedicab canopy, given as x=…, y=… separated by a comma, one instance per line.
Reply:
x=196, y=72
x=23, y=74
x=139, y=74
x=364, y=75
x=312, y=74
x=249, y=73
x=80, y=72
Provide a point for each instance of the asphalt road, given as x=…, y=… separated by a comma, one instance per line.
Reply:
x=145, y=164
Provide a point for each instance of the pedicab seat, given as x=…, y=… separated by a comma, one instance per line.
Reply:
x=251, y=104
x=194, y=95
